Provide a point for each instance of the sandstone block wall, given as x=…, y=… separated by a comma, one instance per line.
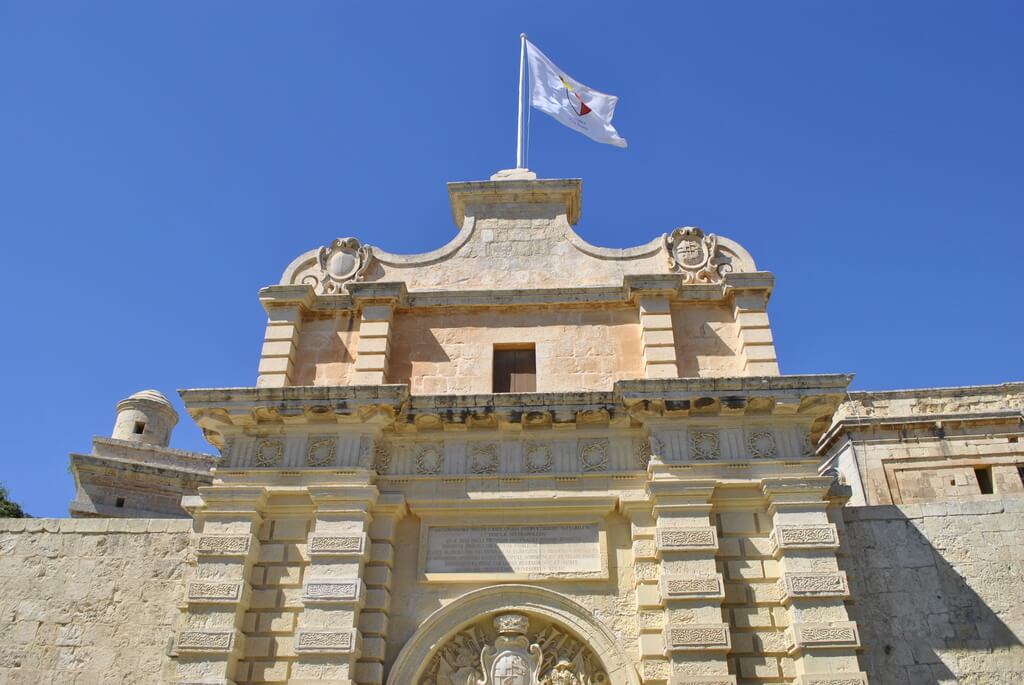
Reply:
x=937, y=590
x=89, y=600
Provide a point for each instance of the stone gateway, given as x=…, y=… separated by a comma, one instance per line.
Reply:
x=521, y=459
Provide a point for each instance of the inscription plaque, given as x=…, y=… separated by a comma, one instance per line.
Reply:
x=549, y=549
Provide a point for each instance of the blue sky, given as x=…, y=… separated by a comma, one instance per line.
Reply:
x=161, y=161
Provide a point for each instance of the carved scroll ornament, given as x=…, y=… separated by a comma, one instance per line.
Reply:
x=696, y=255
x=344, y=260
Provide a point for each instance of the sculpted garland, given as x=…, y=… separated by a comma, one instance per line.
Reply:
x=513, y=657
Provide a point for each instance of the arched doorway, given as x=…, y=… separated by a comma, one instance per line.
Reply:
x=512, y=635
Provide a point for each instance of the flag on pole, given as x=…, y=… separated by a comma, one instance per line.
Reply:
x=583, y=109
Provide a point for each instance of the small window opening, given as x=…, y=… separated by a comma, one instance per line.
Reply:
x=140, y=427
x=952, y=481
x=119, y=503
x=1020, y=473
x=1012, y=439
x=515, y=369
x=984, y=476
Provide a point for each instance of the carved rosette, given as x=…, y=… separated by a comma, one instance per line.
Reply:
x=344, y=260
x=695, y=255
x=512, y=649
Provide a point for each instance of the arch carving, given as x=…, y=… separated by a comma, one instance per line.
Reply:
x=527, y=635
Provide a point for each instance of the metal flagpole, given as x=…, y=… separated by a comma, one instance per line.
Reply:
x=519, y=123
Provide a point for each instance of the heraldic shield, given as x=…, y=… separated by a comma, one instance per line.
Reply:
x=511, y=651
x=512, y=660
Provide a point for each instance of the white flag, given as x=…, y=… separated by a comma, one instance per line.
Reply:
x=554, y=92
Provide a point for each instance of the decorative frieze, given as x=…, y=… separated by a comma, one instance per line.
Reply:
x=702, y=539
x=206, y=641
x=327, y=641
x=332, y=591
x=223, y=545
x=692, y=587
x=336, y=545
x=214, y=592
x=818, y=536
x=699, y=636
x=825, y=635
x=814, y=585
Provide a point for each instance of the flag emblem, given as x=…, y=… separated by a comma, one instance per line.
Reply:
x=570, y=102
x=573, y=98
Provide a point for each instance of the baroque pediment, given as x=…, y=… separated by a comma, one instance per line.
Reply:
x=517, y=233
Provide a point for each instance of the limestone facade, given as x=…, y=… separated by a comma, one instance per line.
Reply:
x=655, y=513
x=929, y=445
x=135, y=473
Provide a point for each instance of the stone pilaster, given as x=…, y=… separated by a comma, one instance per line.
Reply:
x=373, y=619
x=657, y=337
x=823, y=639
x=691, y=589
x=650, y=611
x=374, y=346
x=277, y=358
x=755, y=334
x=328, y=642
x=210, y=641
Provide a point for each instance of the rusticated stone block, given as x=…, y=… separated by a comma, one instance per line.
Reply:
x=687, y=539
x=336, y=545
x=814, y=585
x=327, y=641
x=698, y=637
x=213, y=545
x=207, y=641
x=832, y=679
x=785, y=537
x=702, y=680
x=692, y=587
x=215, y=592
x=323, y=591
x=825, y=635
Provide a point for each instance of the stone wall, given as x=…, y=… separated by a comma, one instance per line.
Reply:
x=937, y=590
x=89, y=600
x=577, y=349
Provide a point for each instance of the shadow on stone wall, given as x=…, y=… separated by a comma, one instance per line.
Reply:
x=937, y=591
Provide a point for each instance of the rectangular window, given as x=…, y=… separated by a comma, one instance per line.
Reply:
x=119, y=503
x=515, y=369
x=140, y=427
x=984, y=476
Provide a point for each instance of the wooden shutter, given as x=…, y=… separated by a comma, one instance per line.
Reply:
x=515, y=370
